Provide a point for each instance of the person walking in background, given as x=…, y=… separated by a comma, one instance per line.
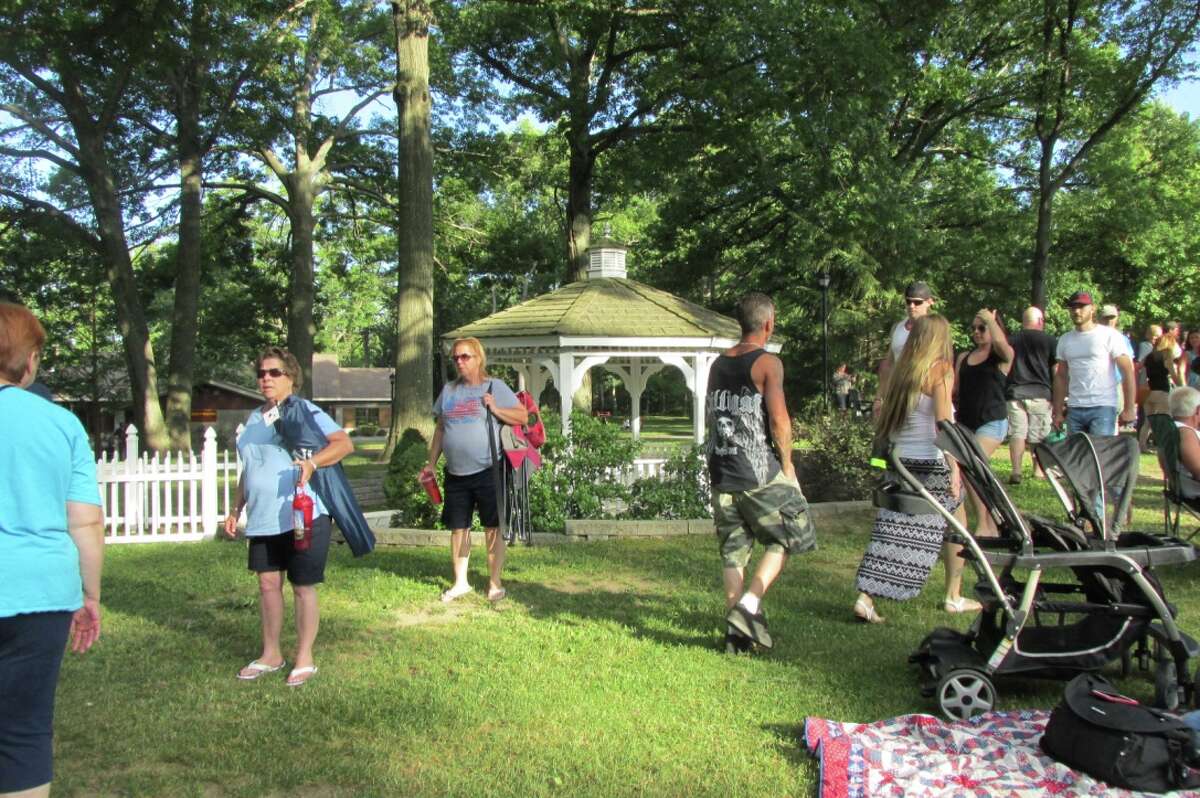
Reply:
x=462, y=432
x=1085, y=357
x=1109, y=316
x=270, y=480
x=1028, y=389
x=756, y=496
x=1160, y=370
x=843, y=381
x=904, y=547
x=918, y=300
x=981, y=375
x=51, y=554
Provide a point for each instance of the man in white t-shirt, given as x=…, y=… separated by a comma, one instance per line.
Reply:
x=918, y=299
x=1085, y=373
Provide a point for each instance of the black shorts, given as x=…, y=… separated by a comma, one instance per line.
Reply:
x=31, y=651
x=466, y=494
x=278, y=553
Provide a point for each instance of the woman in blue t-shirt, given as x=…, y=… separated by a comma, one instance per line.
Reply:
x=271, y=476
x=462, y=433
x=51, y=550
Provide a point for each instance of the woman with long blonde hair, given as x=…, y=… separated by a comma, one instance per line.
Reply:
x=904, y=547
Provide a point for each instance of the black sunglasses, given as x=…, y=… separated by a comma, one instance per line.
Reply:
x=980, y=328
x=914, y=301
x=273, y=372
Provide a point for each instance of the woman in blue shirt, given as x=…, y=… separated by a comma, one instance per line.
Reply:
x=270, y=477
x=51, y=551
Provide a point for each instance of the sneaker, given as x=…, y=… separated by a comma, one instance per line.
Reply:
x=737, y=643
x=753, y=626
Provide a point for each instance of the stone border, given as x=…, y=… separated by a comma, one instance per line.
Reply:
x=579, y=530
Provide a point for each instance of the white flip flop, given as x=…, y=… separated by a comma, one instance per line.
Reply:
x=258, y=669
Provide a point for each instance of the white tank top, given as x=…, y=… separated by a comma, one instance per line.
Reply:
x=899, y=338
x=1189, y=487
x=914, y=441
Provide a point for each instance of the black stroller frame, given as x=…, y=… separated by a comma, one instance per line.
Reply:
x=1044, y=626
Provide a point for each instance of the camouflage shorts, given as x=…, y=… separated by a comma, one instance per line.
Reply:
x=775, y=515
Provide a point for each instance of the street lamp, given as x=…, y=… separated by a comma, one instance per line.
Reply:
x=823, y=282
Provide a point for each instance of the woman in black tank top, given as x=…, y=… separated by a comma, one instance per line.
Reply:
x=979, y=396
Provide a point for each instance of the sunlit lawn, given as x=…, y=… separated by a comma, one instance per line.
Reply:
x=600, y=675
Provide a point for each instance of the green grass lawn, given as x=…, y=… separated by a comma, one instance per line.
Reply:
x=600, y=675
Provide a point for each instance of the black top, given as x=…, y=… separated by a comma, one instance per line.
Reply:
x=1032, y=369
x=980, y=392
x=1158, y=370
x=740, y=455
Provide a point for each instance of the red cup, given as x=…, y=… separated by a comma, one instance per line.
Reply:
x=429, y=483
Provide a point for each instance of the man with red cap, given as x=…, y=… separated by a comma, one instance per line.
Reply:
x=1085, y=385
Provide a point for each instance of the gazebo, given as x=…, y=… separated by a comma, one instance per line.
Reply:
x=607, y=320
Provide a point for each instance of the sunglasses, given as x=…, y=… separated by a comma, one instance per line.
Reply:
x=980, y=328
x=457, y=358
x=273, y=372
x=911, y=301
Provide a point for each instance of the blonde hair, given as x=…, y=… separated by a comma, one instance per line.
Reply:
x=928, y=345
x=476, y=349
x=1164, y=342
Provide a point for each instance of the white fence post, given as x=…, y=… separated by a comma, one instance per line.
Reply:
x=209, y=512
x=133, y=498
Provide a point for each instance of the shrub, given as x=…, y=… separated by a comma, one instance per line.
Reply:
x=682, y=492
x=578, y=475
x=401, y=488
x=836, y=464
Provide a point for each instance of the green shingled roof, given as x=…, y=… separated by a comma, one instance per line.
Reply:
x=609, y=307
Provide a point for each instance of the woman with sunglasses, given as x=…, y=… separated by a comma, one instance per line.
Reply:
x=462, y=434
x=271, y=476
x=979, y=396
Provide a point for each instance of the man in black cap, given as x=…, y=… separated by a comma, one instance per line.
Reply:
x=1085, y=373
x=918, y=299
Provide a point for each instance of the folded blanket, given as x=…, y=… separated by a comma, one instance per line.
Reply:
x=994, y=755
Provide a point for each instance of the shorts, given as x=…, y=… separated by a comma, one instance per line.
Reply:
x=278, y=553
x=996, y=430
x=1029, y=419
x=775, y=515
x=463, y=495
x=31, y=651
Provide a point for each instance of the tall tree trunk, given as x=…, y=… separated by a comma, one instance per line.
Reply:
x=135, y=335
x=414, y=333
x=180, y=375
x=1045, y=207
x=579, y=209
x=301, y=329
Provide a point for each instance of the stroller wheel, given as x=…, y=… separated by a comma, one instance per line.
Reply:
x=964, y=693
x=1168, y=692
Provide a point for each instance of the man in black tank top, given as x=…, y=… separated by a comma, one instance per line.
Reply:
x=755, y=493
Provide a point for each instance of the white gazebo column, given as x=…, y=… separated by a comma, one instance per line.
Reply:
x=563, y=381
x=704, y=362
x=635, y=378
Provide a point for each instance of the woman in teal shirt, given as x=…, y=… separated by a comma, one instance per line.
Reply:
x=51, y=550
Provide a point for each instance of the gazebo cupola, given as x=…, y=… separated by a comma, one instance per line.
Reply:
x=606, y=258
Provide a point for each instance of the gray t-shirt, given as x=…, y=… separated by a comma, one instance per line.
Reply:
x=464, y=419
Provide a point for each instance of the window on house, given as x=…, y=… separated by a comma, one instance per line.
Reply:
x=366, y=416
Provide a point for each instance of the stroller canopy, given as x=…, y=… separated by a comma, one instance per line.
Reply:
x=1100, y=470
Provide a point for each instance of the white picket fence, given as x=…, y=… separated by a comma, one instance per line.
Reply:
x=166, y=496
x=641, y=468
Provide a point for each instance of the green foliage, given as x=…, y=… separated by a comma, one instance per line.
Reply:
x=402, y=489
x=577, y=477
x=683, y=491
x=835, y=466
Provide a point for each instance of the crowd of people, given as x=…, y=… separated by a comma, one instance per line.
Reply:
x=1015, y=388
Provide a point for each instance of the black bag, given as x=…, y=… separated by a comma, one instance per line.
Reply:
x=1118, y=741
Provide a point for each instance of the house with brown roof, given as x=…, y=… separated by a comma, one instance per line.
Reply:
x=356, y=398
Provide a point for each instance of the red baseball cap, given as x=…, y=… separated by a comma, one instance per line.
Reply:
x=1079, y=298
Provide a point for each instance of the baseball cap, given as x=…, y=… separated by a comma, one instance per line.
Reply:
x=918, y=290
x=1079, y=298
x=1108, y=311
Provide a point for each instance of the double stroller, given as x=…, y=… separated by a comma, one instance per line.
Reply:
x=1059, y=598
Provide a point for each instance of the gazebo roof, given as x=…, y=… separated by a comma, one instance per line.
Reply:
x=610, y=307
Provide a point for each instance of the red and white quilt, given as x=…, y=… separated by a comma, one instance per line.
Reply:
x=996, y=755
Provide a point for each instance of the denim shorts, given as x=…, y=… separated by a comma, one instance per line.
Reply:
x=996, y=430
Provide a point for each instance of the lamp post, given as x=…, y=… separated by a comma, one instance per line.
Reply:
x=823, y=282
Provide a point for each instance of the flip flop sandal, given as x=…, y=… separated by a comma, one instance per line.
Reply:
x=452, y=595
x=258, y=669
x=497, y=595
x=307, y=672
